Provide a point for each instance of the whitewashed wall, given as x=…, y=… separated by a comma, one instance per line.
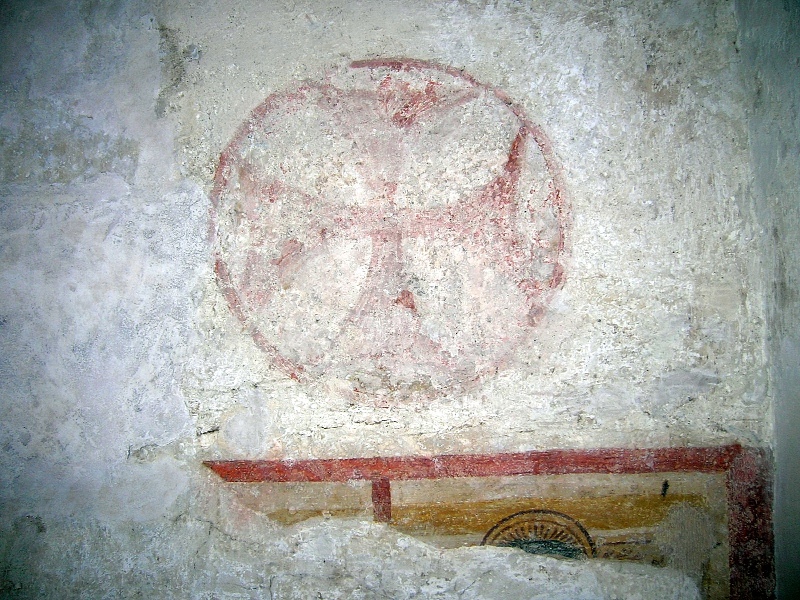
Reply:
x=123, y=367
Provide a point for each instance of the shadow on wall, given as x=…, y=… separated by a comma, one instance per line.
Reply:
x=771, y=67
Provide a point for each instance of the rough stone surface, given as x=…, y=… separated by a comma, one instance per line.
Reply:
x=122, y=365
x=328, y=559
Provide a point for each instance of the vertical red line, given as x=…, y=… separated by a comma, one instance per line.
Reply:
x=382, y=500
x=750, y=533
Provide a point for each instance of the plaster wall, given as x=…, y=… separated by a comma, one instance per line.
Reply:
x=123, y=365
x=769, y=37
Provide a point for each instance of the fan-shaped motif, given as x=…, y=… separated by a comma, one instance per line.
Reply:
x=542, y=532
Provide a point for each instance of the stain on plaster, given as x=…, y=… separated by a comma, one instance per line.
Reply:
x=43, y=141
x=174, y=61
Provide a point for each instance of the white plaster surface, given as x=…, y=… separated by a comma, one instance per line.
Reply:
x=122, y=366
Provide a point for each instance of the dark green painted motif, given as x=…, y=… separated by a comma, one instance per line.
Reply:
x=548, y=547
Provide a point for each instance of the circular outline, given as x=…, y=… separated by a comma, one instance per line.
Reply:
x=556, y=196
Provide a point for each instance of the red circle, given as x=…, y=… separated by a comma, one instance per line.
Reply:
x=399, y=227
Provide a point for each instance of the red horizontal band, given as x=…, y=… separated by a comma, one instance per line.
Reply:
x=547, y=462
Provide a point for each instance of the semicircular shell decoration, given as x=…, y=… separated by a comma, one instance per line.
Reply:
x=542, y=532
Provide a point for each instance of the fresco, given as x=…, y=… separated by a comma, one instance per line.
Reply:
x=398, y=227
x=703, y=511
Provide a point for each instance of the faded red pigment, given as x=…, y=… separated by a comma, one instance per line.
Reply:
x=750, y=534
x=547, y=462
x=748, y=480
x=382, y=499
x=485, y=223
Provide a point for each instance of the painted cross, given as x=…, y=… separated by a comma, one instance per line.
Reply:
x=397, y=228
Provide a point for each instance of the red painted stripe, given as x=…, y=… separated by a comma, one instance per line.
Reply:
x=382, y=500
x=548, y=462
x=750, y=536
